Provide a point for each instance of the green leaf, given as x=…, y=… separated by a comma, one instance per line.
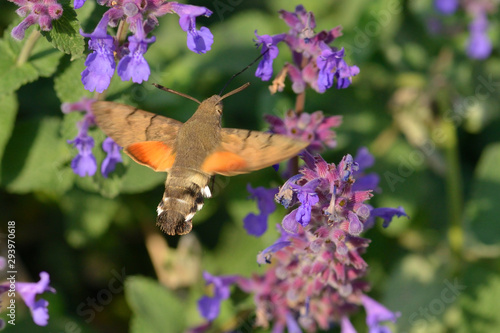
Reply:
x=36, y=158
x=42, y=60
x=155, y=308
x=7, y=119
x=65, y=33
x=479, y=299
x=88, y=216
x=482, y=210
x=68, y=84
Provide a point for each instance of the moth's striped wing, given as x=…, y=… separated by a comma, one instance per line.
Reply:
x=147, y=138
x=243, y=151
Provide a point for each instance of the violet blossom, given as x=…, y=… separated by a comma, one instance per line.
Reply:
x=41, y=12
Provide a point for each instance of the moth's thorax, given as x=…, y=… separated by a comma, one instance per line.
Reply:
x=200, y=135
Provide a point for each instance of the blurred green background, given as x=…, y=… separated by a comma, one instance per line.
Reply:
x=429, y=114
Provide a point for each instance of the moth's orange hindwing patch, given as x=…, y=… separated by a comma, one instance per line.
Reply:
x=155, y=154
x=223, y=162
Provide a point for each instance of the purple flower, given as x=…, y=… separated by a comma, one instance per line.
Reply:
x=133, y=65
x=332, y=65
x=264, y=256
x=479, y=44
x=209, y=307
x=315, y=64
x=40, y=12
x=28, y=292
x=446, y=7
x=313, y=127
x=346, y=326
x=308, y=198
x=3, y=263
x=100, y=63
x=376, y=313
x=256, y=225
x=365, y=181
x=387, y=214
x=270, y=52
x=79, y=3
x=84, y=162
x=199, y=41
x=112, y=158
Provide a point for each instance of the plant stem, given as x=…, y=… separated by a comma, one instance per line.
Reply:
x=28, y=47
x=454, y=187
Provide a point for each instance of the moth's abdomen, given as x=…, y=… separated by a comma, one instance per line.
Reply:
x=183, y=197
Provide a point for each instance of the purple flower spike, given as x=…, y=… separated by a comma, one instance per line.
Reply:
x=79, y=3
x=209, y=307
x=199, y=41
x=84, y=163
x=270, y=51
x=376, y=313
x=479, y=44
x=29, y=291
x=3, y=263
x=387, y=214
x=332, y=65
x=112, y=158
x=446, y=7
x=100, y=63
x=256, y=225
x=346, y=326
x=133, y=65
x=308, y=198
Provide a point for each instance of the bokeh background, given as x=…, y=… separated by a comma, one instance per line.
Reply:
x=428, y=113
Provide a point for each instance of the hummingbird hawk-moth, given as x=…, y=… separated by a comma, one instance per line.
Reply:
x=191, y=152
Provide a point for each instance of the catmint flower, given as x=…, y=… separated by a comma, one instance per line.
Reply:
x=479, y=44
x=313, y=127
x=446, y=7
x=100, y=63
x=209, y=307
x=270, y=52
x=112, y=158
x=256, y=225
x=142, y=17
x=41, y=12
x=199, y=41
x=28, y=292
x=315, y=63
x=84, y=164
x=317, y=276
x=133, y=65
x=376, y=313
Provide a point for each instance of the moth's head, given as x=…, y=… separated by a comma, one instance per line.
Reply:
x=212, y=105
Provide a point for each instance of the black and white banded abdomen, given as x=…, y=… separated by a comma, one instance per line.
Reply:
x=183, y=197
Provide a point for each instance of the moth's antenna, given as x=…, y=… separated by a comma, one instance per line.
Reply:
x=237, y=90
x=244, y=69
x=159, y=86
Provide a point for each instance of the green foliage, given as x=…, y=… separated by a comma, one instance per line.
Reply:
x=428, y=113
x=155, y=308
x=65, y=34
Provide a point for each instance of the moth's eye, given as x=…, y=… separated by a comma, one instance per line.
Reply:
x=218, y=108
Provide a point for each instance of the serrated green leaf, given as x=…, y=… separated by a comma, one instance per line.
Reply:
x=65, y=33
x=42, y=60
x=482, y=210
x=88, y=216
x=479, y=299
x=36, y=159
x=7, y=118
x=68, y=84
x=154, y=305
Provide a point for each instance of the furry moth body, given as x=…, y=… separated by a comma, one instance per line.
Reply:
x=191, y=153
